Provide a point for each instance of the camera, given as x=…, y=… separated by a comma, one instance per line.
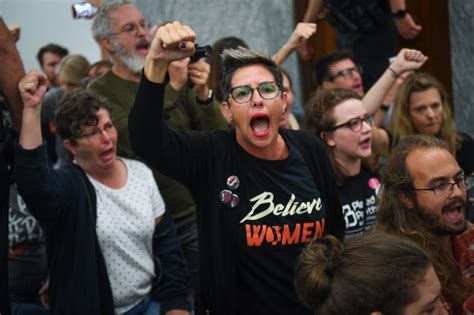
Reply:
x=201, y=52
x=83, y=10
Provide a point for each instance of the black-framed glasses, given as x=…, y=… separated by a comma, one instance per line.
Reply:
x=97, y=133
x=446, y=189
x=244, y=93
x=355, y=124
x=347, y=73
x=133, y=28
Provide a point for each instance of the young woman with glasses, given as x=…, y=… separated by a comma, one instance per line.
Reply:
x=341, y=120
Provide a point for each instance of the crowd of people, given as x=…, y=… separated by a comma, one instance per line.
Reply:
x=159, y=183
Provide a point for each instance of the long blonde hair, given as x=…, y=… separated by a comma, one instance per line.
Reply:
x=401, y=126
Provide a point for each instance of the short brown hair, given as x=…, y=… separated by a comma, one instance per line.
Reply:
x=77, y=109
x=322, y=71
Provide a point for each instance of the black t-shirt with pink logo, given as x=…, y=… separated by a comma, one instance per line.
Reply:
x=285, y=213
x=358, y=197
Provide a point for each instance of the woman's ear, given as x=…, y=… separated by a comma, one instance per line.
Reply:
x=327, y=139
x=226, y=112
x=70, y=147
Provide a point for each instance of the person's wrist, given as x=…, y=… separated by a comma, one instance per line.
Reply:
x=291, y=45
x=394, y=71
x=202, y=92
x=32, y=110
x=384, y=108
x=399, y=14
x=155, y=70
x=207, y=100
x=177, y=85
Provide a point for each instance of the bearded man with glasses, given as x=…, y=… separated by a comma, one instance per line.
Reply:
x=262, y=192
x=424, y=199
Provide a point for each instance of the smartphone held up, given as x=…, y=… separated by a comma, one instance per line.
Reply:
x=83, y=10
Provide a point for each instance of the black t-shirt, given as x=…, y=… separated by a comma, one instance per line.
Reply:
x=465, y=154
x=27, y=251
x=286, y=213
x=358, y=198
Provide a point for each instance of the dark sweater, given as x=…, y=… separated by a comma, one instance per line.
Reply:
x=203, y=161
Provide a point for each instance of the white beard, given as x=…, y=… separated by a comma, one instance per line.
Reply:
x=132, y=61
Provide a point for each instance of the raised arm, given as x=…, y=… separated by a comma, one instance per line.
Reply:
x=299, y=38
x=146, y=122
x=10, y=74
x=42, y=190
x=172, y=41
x=312, y=11
x=32, y=89
x=406, y=60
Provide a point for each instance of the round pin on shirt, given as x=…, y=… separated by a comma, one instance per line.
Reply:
x=374, y=183
x=233, y=182
x=225, y=196
x=228, y=198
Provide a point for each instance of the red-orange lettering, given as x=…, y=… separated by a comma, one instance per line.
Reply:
x=288, y=238
x=277, y=229
x=254, y=236
x=269, y=236
x=307, y=231
x=319, y=228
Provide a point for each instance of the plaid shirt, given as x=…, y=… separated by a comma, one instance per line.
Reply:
x=463, y=249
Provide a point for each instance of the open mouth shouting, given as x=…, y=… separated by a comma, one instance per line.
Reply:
x=142, y=46
x=358, y=88
x=108, y=155
x=453, y=212
x=260, y=125
x=366, y=143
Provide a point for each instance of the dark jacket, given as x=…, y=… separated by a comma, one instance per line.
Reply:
x=64, y=202
x=203, y=161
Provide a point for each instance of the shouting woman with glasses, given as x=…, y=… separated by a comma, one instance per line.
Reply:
x=341, y=120
x=262, y=192
x=111, y=246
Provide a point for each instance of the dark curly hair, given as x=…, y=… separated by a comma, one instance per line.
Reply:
x=77, y=109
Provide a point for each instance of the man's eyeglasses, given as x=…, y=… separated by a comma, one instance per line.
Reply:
x=96, y=134
x=355, y=124
x=133, y=28
x=243, y=94
x=446, y=189
x=347, y=73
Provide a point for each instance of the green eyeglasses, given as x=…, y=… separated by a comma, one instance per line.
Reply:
x=244, y=93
